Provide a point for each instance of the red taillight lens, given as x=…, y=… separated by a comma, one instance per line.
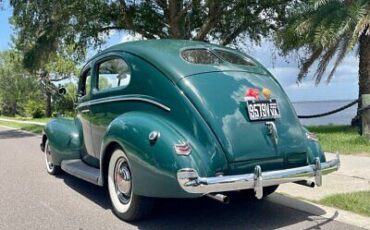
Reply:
x=252, y=93
x=312, y=136
x=183, y=149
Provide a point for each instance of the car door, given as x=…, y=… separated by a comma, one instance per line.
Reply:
x=112, y=77
x=84, y=113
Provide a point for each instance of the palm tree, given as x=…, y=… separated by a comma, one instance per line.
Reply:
x=328, y=30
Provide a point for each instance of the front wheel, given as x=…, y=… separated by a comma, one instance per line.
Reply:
x=126, y=204
x=50, y=167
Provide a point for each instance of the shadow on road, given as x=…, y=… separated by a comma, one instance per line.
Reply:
x=203, y=213
x=94, y=193
x=12, y=133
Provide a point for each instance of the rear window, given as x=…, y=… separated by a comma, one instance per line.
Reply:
x=215, y=57
x=200, y=56
x=234, y=58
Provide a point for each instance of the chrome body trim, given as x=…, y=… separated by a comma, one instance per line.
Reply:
x=85, y=111
x=154, y=136
x=124, y=98
x=191, y=182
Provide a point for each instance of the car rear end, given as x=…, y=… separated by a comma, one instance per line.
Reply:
x=255, y=124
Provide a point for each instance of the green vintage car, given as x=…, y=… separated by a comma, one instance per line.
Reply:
x=181, y=119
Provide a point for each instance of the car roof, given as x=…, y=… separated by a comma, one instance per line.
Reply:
x=165, y=54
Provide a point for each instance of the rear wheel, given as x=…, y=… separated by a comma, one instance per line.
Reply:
x=126, y=204
x=50, y=167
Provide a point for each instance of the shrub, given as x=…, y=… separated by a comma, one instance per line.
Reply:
x=35, y=109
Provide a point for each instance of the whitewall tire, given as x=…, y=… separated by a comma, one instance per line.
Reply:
x=50, y=167
x=125, y=203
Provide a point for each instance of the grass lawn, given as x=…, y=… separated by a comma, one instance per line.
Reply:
x=358, y=202
x=344, y=139
x=27, y=127
x=44, y=119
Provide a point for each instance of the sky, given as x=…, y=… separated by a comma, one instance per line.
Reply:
x=344, y=85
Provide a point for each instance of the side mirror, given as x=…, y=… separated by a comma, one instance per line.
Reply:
x=62, y=91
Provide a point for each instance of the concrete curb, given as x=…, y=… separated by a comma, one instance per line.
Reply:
x=322, y=211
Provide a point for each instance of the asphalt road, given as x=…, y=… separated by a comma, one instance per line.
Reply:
x=32, y=199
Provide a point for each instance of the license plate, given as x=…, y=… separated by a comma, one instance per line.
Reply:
x=263, y=110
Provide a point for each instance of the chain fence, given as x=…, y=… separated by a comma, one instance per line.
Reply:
x=352, y=103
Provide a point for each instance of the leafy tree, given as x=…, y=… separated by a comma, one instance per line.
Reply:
x=65, y=104
x=329, y=30
x=57, y=68
x=51, y=68
x=17, y=86
x=34, y=109
x=48, y=26
x=54, y=33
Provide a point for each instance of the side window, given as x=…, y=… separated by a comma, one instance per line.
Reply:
x=113, y=73
x=85, y=83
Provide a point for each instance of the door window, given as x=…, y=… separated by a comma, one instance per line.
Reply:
x=113, y=73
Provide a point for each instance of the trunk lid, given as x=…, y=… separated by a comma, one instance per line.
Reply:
x=219, y=97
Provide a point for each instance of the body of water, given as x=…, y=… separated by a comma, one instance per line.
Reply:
x=314, y=107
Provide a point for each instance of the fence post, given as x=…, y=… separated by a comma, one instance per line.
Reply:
x=366, y=116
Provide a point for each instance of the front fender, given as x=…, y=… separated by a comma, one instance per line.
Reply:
x=154, y=165
x=64, y=138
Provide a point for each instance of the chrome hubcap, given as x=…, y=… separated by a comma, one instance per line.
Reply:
x=122, y=180
x=48, y=158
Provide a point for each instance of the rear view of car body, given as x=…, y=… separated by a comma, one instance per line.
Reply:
x=187, y=128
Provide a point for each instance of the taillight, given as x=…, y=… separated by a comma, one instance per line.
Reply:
x=252, y=93
x=312, y=136
x=183, y=149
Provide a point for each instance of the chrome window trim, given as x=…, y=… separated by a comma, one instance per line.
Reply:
x=140, y=98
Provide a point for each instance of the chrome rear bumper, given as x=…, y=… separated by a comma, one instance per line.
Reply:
x=190, y=181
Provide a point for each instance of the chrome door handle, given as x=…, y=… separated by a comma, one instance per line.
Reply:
x=85, y=111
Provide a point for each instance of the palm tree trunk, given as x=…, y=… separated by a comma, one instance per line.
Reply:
x=364, y=77
x=364, y=68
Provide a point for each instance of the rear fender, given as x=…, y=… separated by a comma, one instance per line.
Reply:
x=154, y=164
x=314, y=150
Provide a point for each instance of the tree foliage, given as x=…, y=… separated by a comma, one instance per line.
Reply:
x=46, y=27
x=17, y=86
x=64, y=105
x=326, y=30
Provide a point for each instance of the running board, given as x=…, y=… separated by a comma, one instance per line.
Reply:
x=81, y=170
